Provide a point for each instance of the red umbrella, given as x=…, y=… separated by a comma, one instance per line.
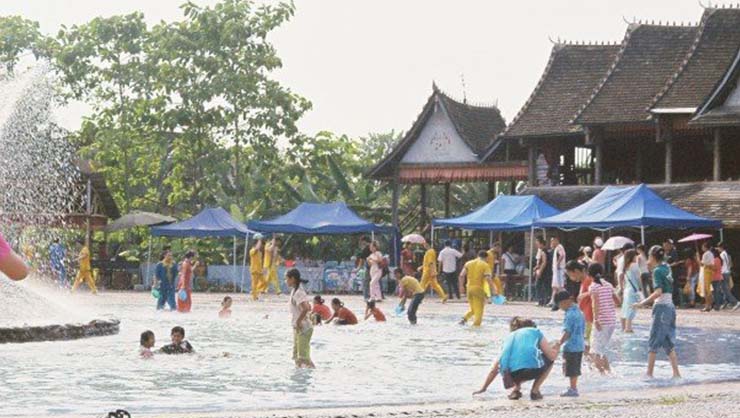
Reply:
x=695, y=237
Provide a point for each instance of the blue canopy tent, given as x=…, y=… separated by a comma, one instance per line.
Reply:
x=632, y=206
x=319, y=219
x=324, y=219
x=210, y=222
x=504, y=213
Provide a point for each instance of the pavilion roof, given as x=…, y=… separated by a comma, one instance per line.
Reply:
x=476, y=125
x=570, y=77
x=649, y=55
x=714, y=111
x=713, y=51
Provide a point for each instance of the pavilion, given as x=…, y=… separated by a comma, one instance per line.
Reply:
x=450, y=142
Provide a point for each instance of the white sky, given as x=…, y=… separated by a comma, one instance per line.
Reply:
x=368, y=65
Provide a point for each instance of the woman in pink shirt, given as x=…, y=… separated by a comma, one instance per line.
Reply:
x=11, y=264
x=605, y=301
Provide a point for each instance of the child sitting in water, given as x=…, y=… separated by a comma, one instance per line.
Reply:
x=179, y=344
x=225, y=311
x=342, y=315
x=320, y=308
x=372, y=310
x=147, y=342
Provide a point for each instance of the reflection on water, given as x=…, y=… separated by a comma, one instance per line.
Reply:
x=371, y=363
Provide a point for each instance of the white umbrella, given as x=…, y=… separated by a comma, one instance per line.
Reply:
x=414, y=239
x=616, y=243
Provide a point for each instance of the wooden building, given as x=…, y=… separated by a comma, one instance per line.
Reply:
x=450, y=142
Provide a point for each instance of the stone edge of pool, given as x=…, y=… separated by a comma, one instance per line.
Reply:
x=28, y=334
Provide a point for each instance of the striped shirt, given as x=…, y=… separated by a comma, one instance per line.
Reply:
x=603, y=295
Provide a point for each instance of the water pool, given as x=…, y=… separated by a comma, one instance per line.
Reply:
x=372, y=363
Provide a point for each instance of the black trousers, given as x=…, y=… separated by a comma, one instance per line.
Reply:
x=452, y=284
x=415, y=302
x=544, y=290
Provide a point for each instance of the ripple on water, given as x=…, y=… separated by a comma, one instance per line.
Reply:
x=391, y=363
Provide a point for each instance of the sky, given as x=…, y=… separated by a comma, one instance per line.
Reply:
x=368, y=65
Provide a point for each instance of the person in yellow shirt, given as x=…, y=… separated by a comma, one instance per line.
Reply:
x=493, y=257
x=477, y=272
x=256, y=266
x=429, y=272
x=271, y=264
x=85, y=273
x=410, y=288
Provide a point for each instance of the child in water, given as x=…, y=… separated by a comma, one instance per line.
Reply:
x=342, y=315
x=147, y=342
x=572, y=341
x=179, y=344
x=372, y=310
x=320, y=308
x=225, y=311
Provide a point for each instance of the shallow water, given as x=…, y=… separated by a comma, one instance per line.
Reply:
x=371, y=363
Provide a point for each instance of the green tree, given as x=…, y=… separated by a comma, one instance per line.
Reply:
x=18, y=36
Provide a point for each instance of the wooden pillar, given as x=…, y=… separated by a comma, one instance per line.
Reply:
x=717, y=167
x=491, y=190
x=394, y=199
x=532, y=165
x=664, y=133
x=639, y=162
x=594, y=138
x=447, y=200
x=88, y=211
x=668, y=160
x=423, y=217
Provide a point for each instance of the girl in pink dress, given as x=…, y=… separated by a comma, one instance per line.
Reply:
x=185, y=283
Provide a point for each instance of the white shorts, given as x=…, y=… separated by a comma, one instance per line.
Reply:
x=600, y=339
x=558, y=278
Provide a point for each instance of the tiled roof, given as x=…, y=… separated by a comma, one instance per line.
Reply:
x=713, y=111
x=713, y=50
x=649, y=55
x=476, y=125
x=716, y=200
x=569, y=79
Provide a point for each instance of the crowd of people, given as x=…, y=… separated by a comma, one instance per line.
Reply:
x=598, y=292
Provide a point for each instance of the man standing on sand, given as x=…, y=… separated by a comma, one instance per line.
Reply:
x=558, y=269
x=448, y=259
x=361, y=263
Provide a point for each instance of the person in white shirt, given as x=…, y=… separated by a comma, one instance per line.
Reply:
x=558, y=269
x=730, y=299
x=705, y=280
x=510, y=260
x=448, y=259
x=302, y=327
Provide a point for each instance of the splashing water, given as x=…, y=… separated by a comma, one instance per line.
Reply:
x=39, y=186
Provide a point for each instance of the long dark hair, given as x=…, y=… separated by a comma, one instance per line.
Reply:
x=336, y=301
x=629, y=257
x=295, y=275
x=596, y=271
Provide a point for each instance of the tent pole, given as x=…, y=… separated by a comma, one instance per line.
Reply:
x=490, y=239
x=148, y=259
x=431, y=238
x=234, y=262
x=721, y=234
x=244, y=263
x=372, y=235
x=544, y=233
x=531, y=253
x=642, y=234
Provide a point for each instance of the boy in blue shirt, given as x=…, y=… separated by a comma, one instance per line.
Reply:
x=572, y=341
